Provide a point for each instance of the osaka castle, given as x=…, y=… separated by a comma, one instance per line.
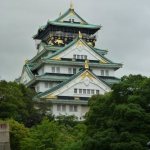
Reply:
x=68, y=69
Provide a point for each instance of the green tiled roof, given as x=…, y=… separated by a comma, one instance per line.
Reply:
x=63, y=101
x=49, y=77
x=75, y=102
x=101, y=51
x=67, y=81
x=28, y=70
x=75, y=25
x=46, y=49
x=58, y=22
x=110, y=80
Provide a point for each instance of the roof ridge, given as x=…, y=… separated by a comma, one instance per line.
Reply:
x=67, y=12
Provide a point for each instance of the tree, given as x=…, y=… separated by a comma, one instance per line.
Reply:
x=17, y=133
x=42, y=136
x=16, y=102
x=120, y=120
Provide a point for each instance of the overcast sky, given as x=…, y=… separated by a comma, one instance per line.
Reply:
x=125, y=32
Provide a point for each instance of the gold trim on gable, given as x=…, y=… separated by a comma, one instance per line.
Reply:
x=87, y=74
x=51, y=96
x=56, y=58
x=102, y=61
x=79, y=44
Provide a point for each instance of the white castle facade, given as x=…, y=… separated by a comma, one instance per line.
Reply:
x=68, y=69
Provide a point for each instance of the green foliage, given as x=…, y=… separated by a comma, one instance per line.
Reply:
x=17, y=133
x=120, y=120
x=16, y=102
x=42, y=136
x=55, y=136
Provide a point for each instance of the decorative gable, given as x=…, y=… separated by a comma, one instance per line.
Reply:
x=85, y=84
x=72, y=18
x=80, y=50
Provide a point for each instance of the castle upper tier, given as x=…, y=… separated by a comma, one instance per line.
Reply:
x=68, y=69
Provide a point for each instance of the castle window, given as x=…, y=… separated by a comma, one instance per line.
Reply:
x=85, y=56
x=97, y=91
x=53, y=69
x=78, y=56
x=70, y=70
x=92, y=92
x=46, y=85
x=74, y=71
x=75, y=90
x=80, y=91
x=84, y=91
x=107, y=72
x=82, y=56
x=74, y=56
x=102, y=72
x=61, y=107
x=58, y=107
x=58, y=69
x=88, y=91
x=73, y=108
x=72, y=20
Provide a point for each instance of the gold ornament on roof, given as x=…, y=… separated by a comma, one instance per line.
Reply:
x=59, y=41
x=86, y=64
x=80, y=35
x=71, y=5
x=26, y=61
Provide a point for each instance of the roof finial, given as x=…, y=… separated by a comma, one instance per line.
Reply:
x=71, y=5
x=80, y=35
x=86, y=64
x=26, y=61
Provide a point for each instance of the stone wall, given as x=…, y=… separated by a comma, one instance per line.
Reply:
x=4, y=137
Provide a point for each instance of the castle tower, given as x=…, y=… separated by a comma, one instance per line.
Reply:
x=68, y=69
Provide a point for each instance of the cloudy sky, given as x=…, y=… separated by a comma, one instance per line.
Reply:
x=125, y=32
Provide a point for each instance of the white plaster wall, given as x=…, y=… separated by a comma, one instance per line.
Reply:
x=81, y=85
x=84, y=110
x=81, y=110
x=82, y=82
x=63, y=69
x=76, y=19
x=97, y=71
x=74, y=50
x=42, y=87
